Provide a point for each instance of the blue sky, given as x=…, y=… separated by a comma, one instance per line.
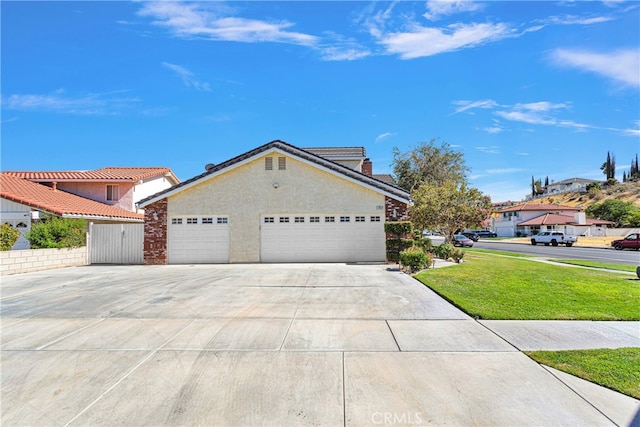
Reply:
x=521, y=88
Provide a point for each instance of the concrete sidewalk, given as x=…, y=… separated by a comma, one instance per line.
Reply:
x=277, y=345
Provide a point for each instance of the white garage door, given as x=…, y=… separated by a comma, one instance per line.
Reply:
x=322, y=238
x=198, y=240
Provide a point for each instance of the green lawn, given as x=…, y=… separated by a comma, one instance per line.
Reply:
x=496, y=287
x=596, y=264
x=617, y=369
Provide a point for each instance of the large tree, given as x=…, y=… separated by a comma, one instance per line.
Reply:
x=624, y=214
x=428, y=162
x=609, y=167
x=448, y=207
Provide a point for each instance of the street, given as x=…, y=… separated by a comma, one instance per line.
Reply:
x=591, y=254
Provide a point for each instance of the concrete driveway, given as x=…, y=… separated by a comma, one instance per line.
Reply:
x=274, y=345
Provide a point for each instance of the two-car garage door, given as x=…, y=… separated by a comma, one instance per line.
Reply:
x=283, y=238
x=321, y=238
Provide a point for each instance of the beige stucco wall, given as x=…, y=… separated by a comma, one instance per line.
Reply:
x=246, y=192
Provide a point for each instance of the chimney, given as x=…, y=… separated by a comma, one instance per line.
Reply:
x=367, y=167
x=581, y=218
x=55, y=186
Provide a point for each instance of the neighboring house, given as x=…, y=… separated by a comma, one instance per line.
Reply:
x=122, y=187
x=276, y=203
x=352, y=157
x=531, y=218
x=578, y=185
x=22, y=201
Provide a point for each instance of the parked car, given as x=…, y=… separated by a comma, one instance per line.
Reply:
x=632, y=241
x=553, y=238
x=462, y=240
x=486, y=233
x=471, y=235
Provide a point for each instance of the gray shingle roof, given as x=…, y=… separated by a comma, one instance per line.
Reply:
x=332, y=153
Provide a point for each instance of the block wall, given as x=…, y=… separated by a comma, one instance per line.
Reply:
x=25, y=261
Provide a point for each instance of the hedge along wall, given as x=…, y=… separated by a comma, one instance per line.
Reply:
x=24, y=261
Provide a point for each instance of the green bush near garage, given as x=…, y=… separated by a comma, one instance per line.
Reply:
x=56, y=232
x=8, y=237
x=415, y=259
x=399, y=240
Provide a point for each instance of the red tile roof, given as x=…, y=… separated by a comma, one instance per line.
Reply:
x=104, y=174
x=539, y=207
x=59, y=202
x=555, y=219
x=550, y=219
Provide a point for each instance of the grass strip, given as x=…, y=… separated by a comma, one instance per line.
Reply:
x=596, y=264
x=495, y=287
x=617, y=369
x=503, y=253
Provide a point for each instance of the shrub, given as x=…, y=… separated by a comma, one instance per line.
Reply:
x=399, y=229
x=8, y=237
x=444, y=250
x=426, y=244
x=395, y=245
x=414, y=258
x=457, y=254
x=55, y=232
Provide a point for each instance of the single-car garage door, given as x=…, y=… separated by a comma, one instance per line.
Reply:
x=198, y=240
x=322, y=238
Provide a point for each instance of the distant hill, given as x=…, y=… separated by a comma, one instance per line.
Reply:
x=627, y=192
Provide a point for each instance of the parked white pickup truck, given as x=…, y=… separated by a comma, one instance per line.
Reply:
x=553, y=238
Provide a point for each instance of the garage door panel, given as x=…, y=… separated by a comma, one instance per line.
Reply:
x=198, y=243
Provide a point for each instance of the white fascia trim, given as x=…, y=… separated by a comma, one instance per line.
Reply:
x=102, y=218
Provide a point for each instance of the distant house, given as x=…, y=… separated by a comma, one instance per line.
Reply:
x=22, y=201
x=578, y=185
x=531, y=218
x=121, y=187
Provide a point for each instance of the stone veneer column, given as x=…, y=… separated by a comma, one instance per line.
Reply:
x=155, y=233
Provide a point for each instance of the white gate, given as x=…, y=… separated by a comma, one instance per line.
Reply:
x=116, y=243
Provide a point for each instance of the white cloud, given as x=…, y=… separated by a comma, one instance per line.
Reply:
x=468, y=105
x=384, y=136
x=503, y=191
x=493, y=129
x=622, y=66
x=577, y=20
x=188, y=77
x=438, y=8
x=197, y=21
x=90, y=104
x=503, y=171
x=425, y=41
x=339, y=48
x=489, y=150
x=535, y=113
